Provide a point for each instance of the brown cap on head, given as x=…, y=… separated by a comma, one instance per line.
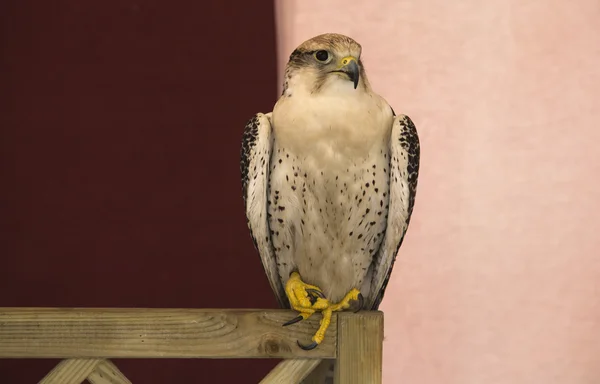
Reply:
x=330, y=41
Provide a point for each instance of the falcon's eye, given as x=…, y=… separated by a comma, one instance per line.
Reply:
x=322, y=56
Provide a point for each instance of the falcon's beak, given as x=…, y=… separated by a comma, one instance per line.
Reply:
x=349, y=66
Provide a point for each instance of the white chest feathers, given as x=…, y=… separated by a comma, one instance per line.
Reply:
x=337, y=122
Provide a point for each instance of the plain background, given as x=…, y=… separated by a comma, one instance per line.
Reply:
x=121, y=125
x=498, y=280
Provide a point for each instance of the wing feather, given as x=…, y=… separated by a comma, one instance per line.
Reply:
x=404, y=172
x=257, y=144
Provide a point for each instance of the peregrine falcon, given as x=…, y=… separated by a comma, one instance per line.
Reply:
x=329, y=182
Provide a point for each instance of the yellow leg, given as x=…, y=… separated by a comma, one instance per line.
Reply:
x=325, y=322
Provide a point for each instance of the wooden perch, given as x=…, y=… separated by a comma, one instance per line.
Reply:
x=89, y=336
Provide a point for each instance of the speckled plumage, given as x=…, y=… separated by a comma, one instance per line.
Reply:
x=329, y=178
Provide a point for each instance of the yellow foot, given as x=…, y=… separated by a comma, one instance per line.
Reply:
x=320, y=334
x=304, y=298
x=307, y=299
x=353, y=295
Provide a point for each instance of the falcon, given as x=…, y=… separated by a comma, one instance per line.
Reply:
x=329, y=179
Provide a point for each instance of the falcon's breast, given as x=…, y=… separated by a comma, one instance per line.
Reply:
x=329, y=193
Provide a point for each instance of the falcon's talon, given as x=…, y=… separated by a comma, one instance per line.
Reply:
x=308, y=347
x=294, y=320
x=315, y=292
x=361, y=302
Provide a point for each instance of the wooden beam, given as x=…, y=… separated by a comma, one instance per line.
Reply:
x=157, y=333
x=107, y=373
x=290, y=371
x=360, y=348
x=321, y=373
x=71, y=371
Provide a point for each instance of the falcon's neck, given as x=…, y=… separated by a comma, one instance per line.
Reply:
x=335, y=119
x=308, y=81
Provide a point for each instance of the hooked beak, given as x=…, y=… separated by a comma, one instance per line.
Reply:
x=349, y=66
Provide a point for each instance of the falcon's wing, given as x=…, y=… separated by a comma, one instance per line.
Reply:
x=404, y=172
x=257, y=144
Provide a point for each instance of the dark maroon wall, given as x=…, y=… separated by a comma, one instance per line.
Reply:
x=120, y=128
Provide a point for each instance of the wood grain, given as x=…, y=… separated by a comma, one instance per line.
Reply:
x=107, y=373
x=321, y=371
x=156, y=333
x=71, y=371
x=360, y=348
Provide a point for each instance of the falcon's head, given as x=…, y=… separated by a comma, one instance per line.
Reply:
x=326, y=60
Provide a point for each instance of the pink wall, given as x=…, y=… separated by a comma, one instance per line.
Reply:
x=499, y=278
